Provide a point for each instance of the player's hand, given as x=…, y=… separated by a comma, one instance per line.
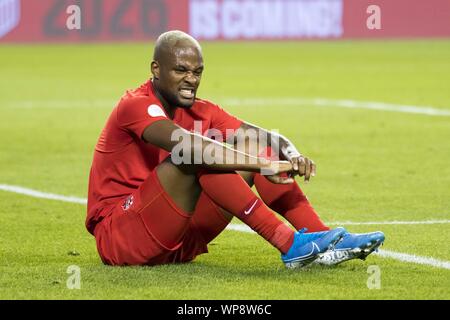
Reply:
x=279, y=170
x=303, y=166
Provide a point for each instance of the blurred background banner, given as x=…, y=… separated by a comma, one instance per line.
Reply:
x=101, y=20
x=137, y=20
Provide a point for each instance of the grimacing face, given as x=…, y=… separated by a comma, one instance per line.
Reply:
x=178, y=76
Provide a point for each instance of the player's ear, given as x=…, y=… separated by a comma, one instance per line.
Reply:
x=155, y=69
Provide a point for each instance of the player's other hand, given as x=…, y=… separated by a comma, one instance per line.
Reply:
x=303, y=166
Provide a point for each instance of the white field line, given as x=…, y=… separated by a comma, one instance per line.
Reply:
x=275, y=102
x=352, y=223
x=412, y=258
x=243, y=228
x=352, y=104
x=43, y=195
x=61, y=104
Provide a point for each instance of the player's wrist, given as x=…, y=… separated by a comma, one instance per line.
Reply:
x=289, y=152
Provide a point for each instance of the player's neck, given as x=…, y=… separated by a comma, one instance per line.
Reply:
x=167, y=107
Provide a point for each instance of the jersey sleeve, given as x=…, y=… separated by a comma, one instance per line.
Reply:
x=222, y=120
x=136, y=114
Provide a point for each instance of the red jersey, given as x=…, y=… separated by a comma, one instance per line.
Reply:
x=122, y=159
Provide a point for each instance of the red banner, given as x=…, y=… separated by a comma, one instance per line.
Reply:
x=399, y=18
x=101, y=20
x=140, y=20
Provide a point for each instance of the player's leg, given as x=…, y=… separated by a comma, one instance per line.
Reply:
x=208, y=221
x=230, y=192
x=298, y=249
x=208, y=203
x=244, y=204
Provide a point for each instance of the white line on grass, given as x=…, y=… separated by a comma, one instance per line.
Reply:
x=414, y=259
x=404, y=257
x=352, y=223
x=322, y=102
x=43, y=195
x=243, y=228
x=270, y=101
x=61, y=104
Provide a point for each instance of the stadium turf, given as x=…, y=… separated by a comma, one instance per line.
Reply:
x=373, y=166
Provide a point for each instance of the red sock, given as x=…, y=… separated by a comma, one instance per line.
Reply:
x=288, y=200
x=231, y=192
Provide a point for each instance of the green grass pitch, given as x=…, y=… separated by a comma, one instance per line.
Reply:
x=372, y=166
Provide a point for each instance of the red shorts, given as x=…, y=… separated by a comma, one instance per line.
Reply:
x=148, y=228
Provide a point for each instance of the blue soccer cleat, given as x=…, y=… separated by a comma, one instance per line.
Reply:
x=307, y=247
x=352, y=246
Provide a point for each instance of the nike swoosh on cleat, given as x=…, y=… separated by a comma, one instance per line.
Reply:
x=306, y=256
x=315, y=246
x=251, y=208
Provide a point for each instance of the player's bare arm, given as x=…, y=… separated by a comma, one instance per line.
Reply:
x=161, y=132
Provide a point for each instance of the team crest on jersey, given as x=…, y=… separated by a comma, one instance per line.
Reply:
x=154, y=110
x=128, y=203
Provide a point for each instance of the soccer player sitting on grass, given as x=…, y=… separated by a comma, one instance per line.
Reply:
x=155, y=196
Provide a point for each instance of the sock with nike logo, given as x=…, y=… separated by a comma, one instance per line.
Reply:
x=245, y=205
x=288, y=200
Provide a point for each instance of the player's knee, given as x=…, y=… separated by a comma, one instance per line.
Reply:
x=248, y=177
x=180, y=183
